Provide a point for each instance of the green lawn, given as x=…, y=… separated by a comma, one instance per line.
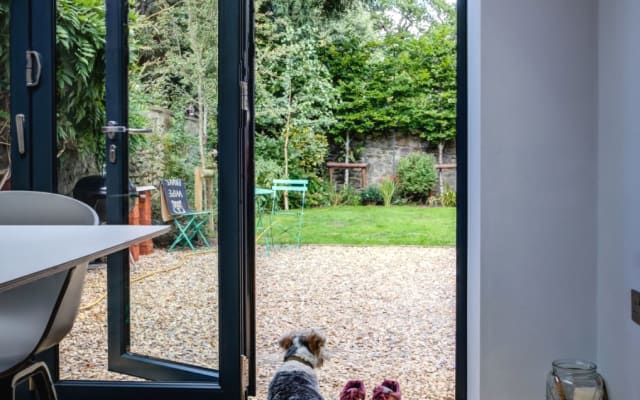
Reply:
x=375, y=225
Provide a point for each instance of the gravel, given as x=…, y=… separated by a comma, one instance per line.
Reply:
x=387, y=312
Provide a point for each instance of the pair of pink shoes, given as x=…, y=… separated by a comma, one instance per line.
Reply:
x=388, y=390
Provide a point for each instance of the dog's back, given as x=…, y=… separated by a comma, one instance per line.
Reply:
x=294, y=384
x=296, y=378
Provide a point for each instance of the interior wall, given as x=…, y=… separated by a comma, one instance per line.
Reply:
x=618, y=195
x=532, y=191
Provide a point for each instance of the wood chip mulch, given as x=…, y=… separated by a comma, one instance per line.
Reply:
x=388, y=313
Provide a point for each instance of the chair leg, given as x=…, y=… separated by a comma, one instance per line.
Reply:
x=183, y=233
x=38, y=375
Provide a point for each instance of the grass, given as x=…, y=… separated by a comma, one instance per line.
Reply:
x=373, y=225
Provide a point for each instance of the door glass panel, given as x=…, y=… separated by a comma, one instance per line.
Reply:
x=173, y=89
x=5, y=127
x=173, y=295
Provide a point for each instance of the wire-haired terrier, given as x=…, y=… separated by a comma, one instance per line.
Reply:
x=296, y=378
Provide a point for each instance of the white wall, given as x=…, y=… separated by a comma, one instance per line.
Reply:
x=618, y=195
x=532, y=191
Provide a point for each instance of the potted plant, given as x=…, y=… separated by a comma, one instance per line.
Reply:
x=371, y=195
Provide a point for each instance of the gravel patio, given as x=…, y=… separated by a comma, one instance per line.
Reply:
x=387, y=312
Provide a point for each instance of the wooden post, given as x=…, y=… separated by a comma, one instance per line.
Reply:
x=203, y=192
x=144, y=207
x=134, y=219
x=198, y=188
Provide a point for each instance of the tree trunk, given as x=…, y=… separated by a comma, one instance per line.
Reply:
x=287, y=133
x=440, y=161
x=346, y=160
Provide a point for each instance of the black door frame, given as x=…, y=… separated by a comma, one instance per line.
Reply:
x=235, y=163
x=32, y=28
x=40, y=173
x=461, y=201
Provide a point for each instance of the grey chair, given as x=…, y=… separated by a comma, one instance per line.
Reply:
x=36, y=316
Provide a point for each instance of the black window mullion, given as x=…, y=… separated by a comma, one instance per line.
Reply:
x=43, y=97
x=117, y=63
x=232, y=194
x=21, y=170
x=461, y=208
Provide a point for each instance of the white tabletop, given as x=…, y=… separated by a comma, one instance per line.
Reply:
x=30, y=252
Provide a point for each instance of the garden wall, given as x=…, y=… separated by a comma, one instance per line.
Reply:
x=383, y=153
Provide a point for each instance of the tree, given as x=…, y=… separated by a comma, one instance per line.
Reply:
x=404, y=80
x=294, y=93
x=175, y=45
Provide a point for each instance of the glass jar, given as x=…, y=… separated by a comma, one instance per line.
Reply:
x=574, y=380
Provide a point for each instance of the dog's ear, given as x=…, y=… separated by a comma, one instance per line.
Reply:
x=286, y=341
x=316, y=341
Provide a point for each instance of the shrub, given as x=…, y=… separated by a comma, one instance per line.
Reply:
x=416, y=176
x=349, y=196
x=448, y=198
x=371, y=195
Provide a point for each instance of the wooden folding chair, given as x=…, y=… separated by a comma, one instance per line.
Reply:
x=190, y=225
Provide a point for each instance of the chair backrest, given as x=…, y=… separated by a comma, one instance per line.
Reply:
x=38, y=315
x=39, y=208
x=174, y=198
x=290, y=185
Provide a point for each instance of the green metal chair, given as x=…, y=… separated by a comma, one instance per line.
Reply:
x=190, y=225
x=286, y=219
x=263, y=225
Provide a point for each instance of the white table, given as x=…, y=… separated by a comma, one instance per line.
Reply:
x=31, y=252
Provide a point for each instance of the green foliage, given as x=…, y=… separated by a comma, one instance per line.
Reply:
x=404, y=80
x=347, y=195
x=80, y=32
x=388, y=189
x=371, y=195
x=307, y=153
x=293, y=87
x=415, y=16
x=174, y=48
x=416, y=176
x=448, y=198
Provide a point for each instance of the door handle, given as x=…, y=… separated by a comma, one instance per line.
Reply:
x=112, y=128
x=33, y=57
x=20, y=133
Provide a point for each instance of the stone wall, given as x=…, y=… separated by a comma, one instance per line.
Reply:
x=382, y=155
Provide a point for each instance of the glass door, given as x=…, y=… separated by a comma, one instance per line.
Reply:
x=180, y=324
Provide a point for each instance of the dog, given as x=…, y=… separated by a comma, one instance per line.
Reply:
x=296, y=378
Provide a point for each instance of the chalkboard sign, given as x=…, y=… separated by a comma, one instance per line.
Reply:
x=174, y=198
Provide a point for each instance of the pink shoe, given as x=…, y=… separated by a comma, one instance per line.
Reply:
x=353, y=390
x=389, y=390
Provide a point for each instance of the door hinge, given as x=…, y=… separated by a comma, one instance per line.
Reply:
x=244, y=370
x=244, y=96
